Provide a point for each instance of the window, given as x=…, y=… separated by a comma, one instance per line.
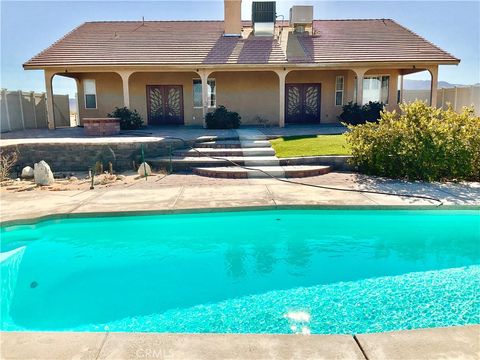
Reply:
x=197, y=93
x=90, y=94
x=375, y=88
x=339, y=83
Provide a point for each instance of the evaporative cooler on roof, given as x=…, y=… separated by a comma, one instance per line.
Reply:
x=263, y=18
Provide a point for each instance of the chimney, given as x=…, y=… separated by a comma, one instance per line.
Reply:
x=233, y=17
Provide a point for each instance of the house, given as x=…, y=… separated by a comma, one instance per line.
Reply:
x=286, y=72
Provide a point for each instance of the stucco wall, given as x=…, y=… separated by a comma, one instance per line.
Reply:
x=251, y=94
x=109, y=94
x=138, y=92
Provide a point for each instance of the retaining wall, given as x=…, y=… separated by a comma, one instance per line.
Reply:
x=81, y=156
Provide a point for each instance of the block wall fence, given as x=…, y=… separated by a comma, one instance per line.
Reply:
x=21, y=110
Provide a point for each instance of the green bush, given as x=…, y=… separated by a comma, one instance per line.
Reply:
x=129, y=120
x=221, y=118
x=354, y=114
x=420, y=143
x=372, y=110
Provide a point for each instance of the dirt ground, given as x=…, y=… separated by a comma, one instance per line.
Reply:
x=78, y=181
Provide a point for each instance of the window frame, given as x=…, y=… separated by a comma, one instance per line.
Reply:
x=337, y=90
x=213, y=93
x=85, y=94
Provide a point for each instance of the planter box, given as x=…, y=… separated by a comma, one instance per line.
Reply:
x=101, y=126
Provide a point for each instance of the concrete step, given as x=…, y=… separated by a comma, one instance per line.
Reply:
x=245, y=134
x=233, y=172
x=266, y=151
x=255, y=143
x=233, y=144
x=186, y=163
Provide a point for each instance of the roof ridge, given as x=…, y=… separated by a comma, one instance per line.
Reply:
x=243, y=20
x=424, y=39
x=148, y=21
x=360, y=19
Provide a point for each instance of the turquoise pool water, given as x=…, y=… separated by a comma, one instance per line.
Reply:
x=285, y=271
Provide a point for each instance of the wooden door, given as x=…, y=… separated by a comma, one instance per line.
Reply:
x=302, y=103
x=165, y=104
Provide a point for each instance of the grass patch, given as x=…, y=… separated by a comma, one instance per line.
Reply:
x=313, y=145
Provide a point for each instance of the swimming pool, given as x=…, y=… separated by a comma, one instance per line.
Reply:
x=274, y=271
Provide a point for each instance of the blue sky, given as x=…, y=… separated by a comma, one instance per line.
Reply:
x=27, y=27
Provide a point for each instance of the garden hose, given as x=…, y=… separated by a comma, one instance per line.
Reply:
x=412, y=196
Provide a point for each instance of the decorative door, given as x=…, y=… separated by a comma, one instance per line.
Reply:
x=302, y=103
x=165, y=104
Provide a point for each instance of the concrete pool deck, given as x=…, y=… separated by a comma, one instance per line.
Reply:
x=439, y=343
x=189, y=192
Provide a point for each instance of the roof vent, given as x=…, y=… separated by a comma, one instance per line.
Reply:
x=301, y=18
x=263, y=18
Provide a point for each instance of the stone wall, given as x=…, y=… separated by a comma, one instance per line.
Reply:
x=80, y=156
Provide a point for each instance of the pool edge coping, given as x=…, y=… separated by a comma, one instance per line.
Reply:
x=415, y=343
x=71, y=215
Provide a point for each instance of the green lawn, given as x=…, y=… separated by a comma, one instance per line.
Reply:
x=293, y=146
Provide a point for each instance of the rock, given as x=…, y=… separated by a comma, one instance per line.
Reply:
x=121, y=177
x=27, y=172
x=141, y=170
x=73, y=178
x=42, y=173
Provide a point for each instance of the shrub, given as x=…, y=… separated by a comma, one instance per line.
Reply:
x=420, y=143
x=221, y=118
x=129, y=120
x=372, y=111
x=8, y=159
x=351, y=114
x=354, y=114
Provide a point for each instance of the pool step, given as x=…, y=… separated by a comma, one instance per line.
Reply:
x=232, y=172
x=196, y=152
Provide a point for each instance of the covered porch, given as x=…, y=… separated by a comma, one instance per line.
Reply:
x=272, y=97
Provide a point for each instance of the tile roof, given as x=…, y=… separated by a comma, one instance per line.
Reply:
x=368, y=40
x=201, y=42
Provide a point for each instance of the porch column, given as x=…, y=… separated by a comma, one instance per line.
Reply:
x=49, y=101
x=204, y=78
x=78, y=94
x=360, y=75
x=125, y=75
x=401, y=89
x=434, y=85
x=282, y=75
